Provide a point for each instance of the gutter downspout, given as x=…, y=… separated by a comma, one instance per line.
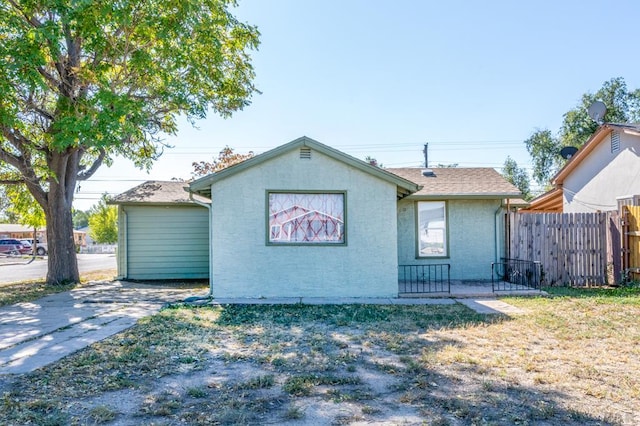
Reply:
x=497, y=232
x=123, y=258
x=208, y=207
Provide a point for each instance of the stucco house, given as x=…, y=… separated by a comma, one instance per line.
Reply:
x=305, y=219
x=602, y=173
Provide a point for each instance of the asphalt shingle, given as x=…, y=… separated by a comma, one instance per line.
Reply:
x=454, y=181
x=158, y=192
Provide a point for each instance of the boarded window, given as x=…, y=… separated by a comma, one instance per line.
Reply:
x=306, y=218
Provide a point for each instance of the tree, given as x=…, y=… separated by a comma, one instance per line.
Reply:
x=103, y=222
x=623, y=106
x=371, y=160
x=84, y=82
x=6, y=216
x=80, y=219
x=226, y=158
x=517, y=176
x=24, y=208
x=544, y=149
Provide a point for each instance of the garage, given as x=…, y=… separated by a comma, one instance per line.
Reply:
x=163, y=233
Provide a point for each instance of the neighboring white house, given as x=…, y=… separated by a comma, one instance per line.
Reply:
x=307, y=220
x=603, y=171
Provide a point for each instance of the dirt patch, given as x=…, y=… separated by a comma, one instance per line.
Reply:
x=567, y=361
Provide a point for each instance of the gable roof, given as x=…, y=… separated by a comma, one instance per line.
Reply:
x=158, y=192
x=453, y=182
x=404, y=187
x=598, y=136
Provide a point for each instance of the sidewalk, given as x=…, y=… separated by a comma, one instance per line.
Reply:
x=41, y=332
x=38, y=333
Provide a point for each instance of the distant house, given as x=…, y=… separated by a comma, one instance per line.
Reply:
x=21, y=232
x=602, y=173
x=91, y=246
x=305, y=219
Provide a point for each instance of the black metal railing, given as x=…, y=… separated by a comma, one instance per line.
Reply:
x=424, y=278
x=516, y=274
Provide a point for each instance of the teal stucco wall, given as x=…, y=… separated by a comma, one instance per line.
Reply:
x=244, y=265
x=474, y=237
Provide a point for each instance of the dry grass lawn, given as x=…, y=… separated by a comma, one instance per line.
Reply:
x=29, y=290
x=573, y=359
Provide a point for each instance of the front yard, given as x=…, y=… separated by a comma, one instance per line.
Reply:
x=573, y=359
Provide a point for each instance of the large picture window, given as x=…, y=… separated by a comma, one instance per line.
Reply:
x=306, y=218
x=432, y=229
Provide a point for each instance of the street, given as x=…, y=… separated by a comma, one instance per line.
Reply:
x=18, y=269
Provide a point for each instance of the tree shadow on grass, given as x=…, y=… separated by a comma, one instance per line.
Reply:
x=303, y=364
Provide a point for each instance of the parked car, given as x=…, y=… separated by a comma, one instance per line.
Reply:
x=12, y=246
x=41, y=248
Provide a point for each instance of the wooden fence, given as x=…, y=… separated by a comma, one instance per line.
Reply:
x=577, y=249
x=631, y=240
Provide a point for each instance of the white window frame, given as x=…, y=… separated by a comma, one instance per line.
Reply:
x=436, y=236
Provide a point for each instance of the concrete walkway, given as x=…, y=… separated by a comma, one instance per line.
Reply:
x=35, y=334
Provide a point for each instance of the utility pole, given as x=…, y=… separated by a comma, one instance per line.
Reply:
x=426, y=155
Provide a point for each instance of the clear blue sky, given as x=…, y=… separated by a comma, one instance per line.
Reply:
x=380, y=78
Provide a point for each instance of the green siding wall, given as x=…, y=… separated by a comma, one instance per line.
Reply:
x=169, y=242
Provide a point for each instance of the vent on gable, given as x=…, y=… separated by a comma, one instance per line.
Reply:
x=615, y=142
x=305, y=153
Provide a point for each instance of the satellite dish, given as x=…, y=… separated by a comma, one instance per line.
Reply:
x=568, y=151
x=596, y=111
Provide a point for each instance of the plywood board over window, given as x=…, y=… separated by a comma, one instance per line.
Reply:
x=306, y=218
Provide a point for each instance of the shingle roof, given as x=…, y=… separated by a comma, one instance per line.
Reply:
x=459, y=182
x=158, y=192
x=14, y=227
x=404, y=187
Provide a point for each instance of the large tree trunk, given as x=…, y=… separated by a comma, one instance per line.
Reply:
x=63, y=262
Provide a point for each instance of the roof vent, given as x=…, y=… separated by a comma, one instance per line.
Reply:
x=305, y=153
x=428, y=173
x=615, y=142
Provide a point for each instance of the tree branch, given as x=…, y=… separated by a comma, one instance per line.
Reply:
x=41, y=112
x=53, y=83
x=31, y=20
x=70, y=170
x=19, y=142
x=86, y=174
x=23, y=163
